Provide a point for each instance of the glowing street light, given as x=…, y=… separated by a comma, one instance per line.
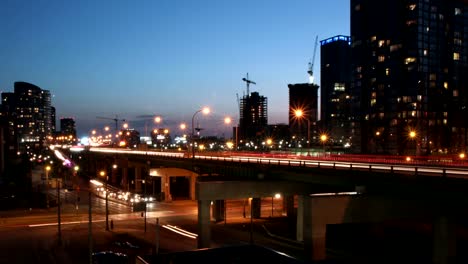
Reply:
x=300, y=114
x=103, y=174
x=324, y=139
x=47, y=168
x=412, y=135
x=157, y=119
x=205, y=111
x=228, y=121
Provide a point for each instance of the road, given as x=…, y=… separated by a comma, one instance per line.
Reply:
x=31, y=235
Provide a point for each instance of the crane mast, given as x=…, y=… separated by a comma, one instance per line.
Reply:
x=311, y=63
x=116, y=120
x=248, y=82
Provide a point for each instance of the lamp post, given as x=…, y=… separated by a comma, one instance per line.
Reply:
x=412, y=135
x=228, y=120
x=205, y=111
x=324, y=139
x=58, y=212
x=47, y=185
x=300, y=114
x=103, y=174
x=75, y=183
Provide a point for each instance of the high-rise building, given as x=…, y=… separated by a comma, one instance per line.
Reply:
x=303, y=99
x=335, y=81
x=29, y=113
x=67, y=127
x=253, y=119
x=409, y=65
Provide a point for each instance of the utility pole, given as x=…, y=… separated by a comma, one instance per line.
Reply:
x=58, y=213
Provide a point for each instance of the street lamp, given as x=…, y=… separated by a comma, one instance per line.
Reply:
x=228, y=120
x=324, y=139
x=300, y=114
x=412, y=135
x=47, y=185
x=103, y=174
x=205, y=111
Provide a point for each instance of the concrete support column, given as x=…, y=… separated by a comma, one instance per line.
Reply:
x=193, y=180
x=113, y=178
x=125, y=183
x=307, y=232
x=288, y=205
x=300, y=218
x=444, y=251
x=256, y=204
x=165, y=188
x=137, y=179
x=219, y=210
x=204, y=231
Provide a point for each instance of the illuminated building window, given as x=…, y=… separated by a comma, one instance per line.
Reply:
x=457, y=41
x=381, y=58
x=412, y=7
x=381, y=43
x=456, y=56
x=387, y=71
x=373, y=38
x=432, y=77
x=425, y=52
x=455, y=93
x=410, y=60
x=446, y=85
x=373, y=102
x=339, y=87
x=458, y=11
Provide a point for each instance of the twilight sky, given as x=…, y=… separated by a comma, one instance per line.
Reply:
x=137, y=59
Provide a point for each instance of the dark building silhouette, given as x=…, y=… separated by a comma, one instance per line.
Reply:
x=335, y=81
x=68, y=128
x=302, y=97
x=29, y=114
x=409, y=65
x=253, y=119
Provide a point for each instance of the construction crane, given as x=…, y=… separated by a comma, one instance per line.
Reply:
x=116, y=120
x=248, y=83
x=311, y=63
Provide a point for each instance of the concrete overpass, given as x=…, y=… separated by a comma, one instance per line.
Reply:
x=380, y=195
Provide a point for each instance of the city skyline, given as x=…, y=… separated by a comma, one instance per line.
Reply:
x=168, y=59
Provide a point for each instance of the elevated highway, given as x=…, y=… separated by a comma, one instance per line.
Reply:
x=328, y=192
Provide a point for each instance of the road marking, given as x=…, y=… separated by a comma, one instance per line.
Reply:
x=65, y=223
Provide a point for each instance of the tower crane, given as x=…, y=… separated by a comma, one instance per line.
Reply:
x=248, y=82
x=116, y=120
x=310, y=71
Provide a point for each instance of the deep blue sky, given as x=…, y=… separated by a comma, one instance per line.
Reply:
x=166, y=57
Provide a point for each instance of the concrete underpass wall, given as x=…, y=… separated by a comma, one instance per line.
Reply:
x=326, y=210
x=166, y=173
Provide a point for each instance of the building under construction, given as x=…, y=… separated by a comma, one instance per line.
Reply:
x=253, y=118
